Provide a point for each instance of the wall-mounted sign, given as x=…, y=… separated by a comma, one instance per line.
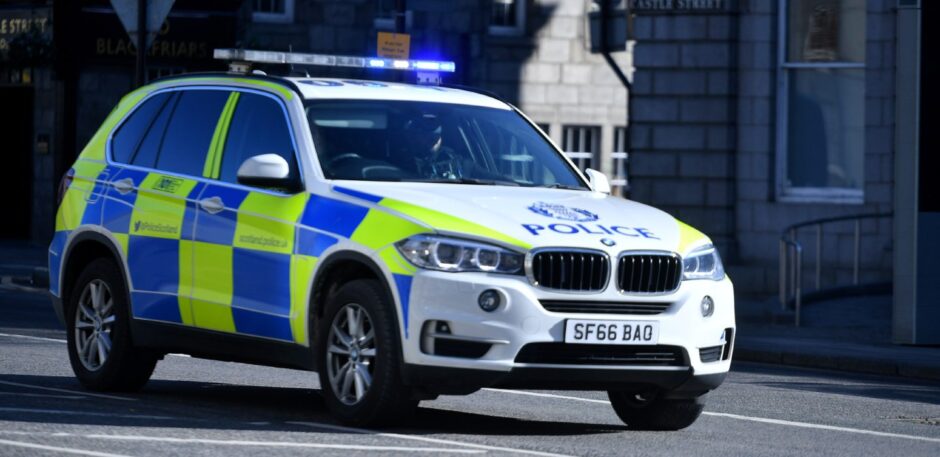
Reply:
x=393, y=45
x=679, y=6
x=25, y=35
x=184, y=38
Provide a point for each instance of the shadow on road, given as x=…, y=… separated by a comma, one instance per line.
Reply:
x=835, y=382
x=199, y=405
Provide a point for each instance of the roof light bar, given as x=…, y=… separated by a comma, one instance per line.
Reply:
x=329, y=60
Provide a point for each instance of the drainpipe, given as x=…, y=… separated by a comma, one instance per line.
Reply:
x=605, y=11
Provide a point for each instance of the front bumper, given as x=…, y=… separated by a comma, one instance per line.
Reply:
x=521, y=320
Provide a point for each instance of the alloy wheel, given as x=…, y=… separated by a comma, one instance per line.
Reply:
x=94, y=322
x=350, y=354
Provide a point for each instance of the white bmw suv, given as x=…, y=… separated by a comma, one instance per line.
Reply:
x=404, y=241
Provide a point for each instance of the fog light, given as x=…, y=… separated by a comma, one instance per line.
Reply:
x=708, y=306
x=489, y=300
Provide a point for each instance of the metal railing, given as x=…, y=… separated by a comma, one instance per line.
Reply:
x=791, y=257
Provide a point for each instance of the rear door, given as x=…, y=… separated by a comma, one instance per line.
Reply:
x=151, y=204
x=244, y=240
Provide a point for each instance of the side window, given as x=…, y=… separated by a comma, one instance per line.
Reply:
x=129, y=135
x=190, y=130
x=146, y=155
x=258, y=126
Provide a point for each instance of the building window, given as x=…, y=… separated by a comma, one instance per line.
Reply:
x=821, y=101
x=619, y=158
x=385, y=12
x=279, y=11
x=544, y=127
x=507, y=17
x=581, y=144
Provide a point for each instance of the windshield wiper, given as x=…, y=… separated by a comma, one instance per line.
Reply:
x=561, y=186
x=476, y=181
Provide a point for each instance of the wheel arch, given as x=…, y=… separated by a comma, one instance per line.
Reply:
x=81, y=250
x=340, y=268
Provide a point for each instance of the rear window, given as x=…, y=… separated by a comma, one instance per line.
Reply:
x=189, y=131
x=128, y=137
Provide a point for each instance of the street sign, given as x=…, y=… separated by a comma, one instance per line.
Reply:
x=393, y=45
x=157, y=11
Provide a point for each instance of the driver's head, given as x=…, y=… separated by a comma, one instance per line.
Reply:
x=422, y=134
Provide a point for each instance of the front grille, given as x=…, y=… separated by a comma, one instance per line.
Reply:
x=600, y=354
x=604, y=307
x=649, y=273
x=580, y=271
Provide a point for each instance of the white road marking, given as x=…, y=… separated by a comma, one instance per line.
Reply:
x=823, y=427
x=68, y=412
x=61, y=397
x=53, y=389
x=762, y=420
x=29, y=337
x=537, y=394
x=428, y=440
x=174, y=440
x=58, y=449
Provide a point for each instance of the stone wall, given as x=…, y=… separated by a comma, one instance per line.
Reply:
x=684, y=114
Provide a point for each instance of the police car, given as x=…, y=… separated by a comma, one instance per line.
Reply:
x=403, y=241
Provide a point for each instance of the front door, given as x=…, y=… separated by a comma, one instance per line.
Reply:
x=244, y=240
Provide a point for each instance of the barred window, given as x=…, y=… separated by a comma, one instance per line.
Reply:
x=619, y=158
x=581, y=144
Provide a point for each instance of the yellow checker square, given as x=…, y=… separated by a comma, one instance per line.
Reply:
x=212, y=286
x=160, y=206
x=186, y=281
x=379, y=228
x=257, y=231
x=301, y=278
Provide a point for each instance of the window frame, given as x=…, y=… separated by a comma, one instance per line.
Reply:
x=784, y=68
x=619, y=158
x=286, y=17
x=109, y=159
x=506, y=30
x=577, y=156
x=291, y=132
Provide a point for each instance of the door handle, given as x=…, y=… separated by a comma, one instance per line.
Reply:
x=123, y=186
x=212, y=205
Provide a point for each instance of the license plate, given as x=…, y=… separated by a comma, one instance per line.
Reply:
x=580, y=331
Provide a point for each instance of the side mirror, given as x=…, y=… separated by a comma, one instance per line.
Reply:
x=266, y=170
x=598, y=180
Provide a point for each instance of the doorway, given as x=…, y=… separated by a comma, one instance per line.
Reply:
x=16, y=173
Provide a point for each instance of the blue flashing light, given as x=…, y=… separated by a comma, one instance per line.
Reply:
x=247, y=55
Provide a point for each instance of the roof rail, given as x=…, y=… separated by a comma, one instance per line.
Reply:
x=220, y=74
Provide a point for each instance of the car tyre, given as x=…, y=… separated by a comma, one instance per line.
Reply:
x=100, y=348
x=652, y=412
x=359, y=357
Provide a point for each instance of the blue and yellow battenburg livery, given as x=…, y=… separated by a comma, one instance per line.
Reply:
x=247, y=269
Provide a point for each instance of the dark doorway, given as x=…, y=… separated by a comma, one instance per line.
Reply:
x=16, y=153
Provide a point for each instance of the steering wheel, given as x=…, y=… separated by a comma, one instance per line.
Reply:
x=342, y=157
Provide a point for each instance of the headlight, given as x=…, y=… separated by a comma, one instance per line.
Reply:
x=703, y=263
x=449, y=254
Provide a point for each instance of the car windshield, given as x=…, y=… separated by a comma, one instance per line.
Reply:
x=385, y=140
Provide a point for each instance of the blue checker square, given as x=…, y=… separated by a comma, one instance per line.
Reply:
x=116, y=215
x=333, y=216
x=260, y=324
x=261, y=281
x=219, y=228
x=154, y=263
x=313, y=243
x=158, y=307
x=403, y=283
